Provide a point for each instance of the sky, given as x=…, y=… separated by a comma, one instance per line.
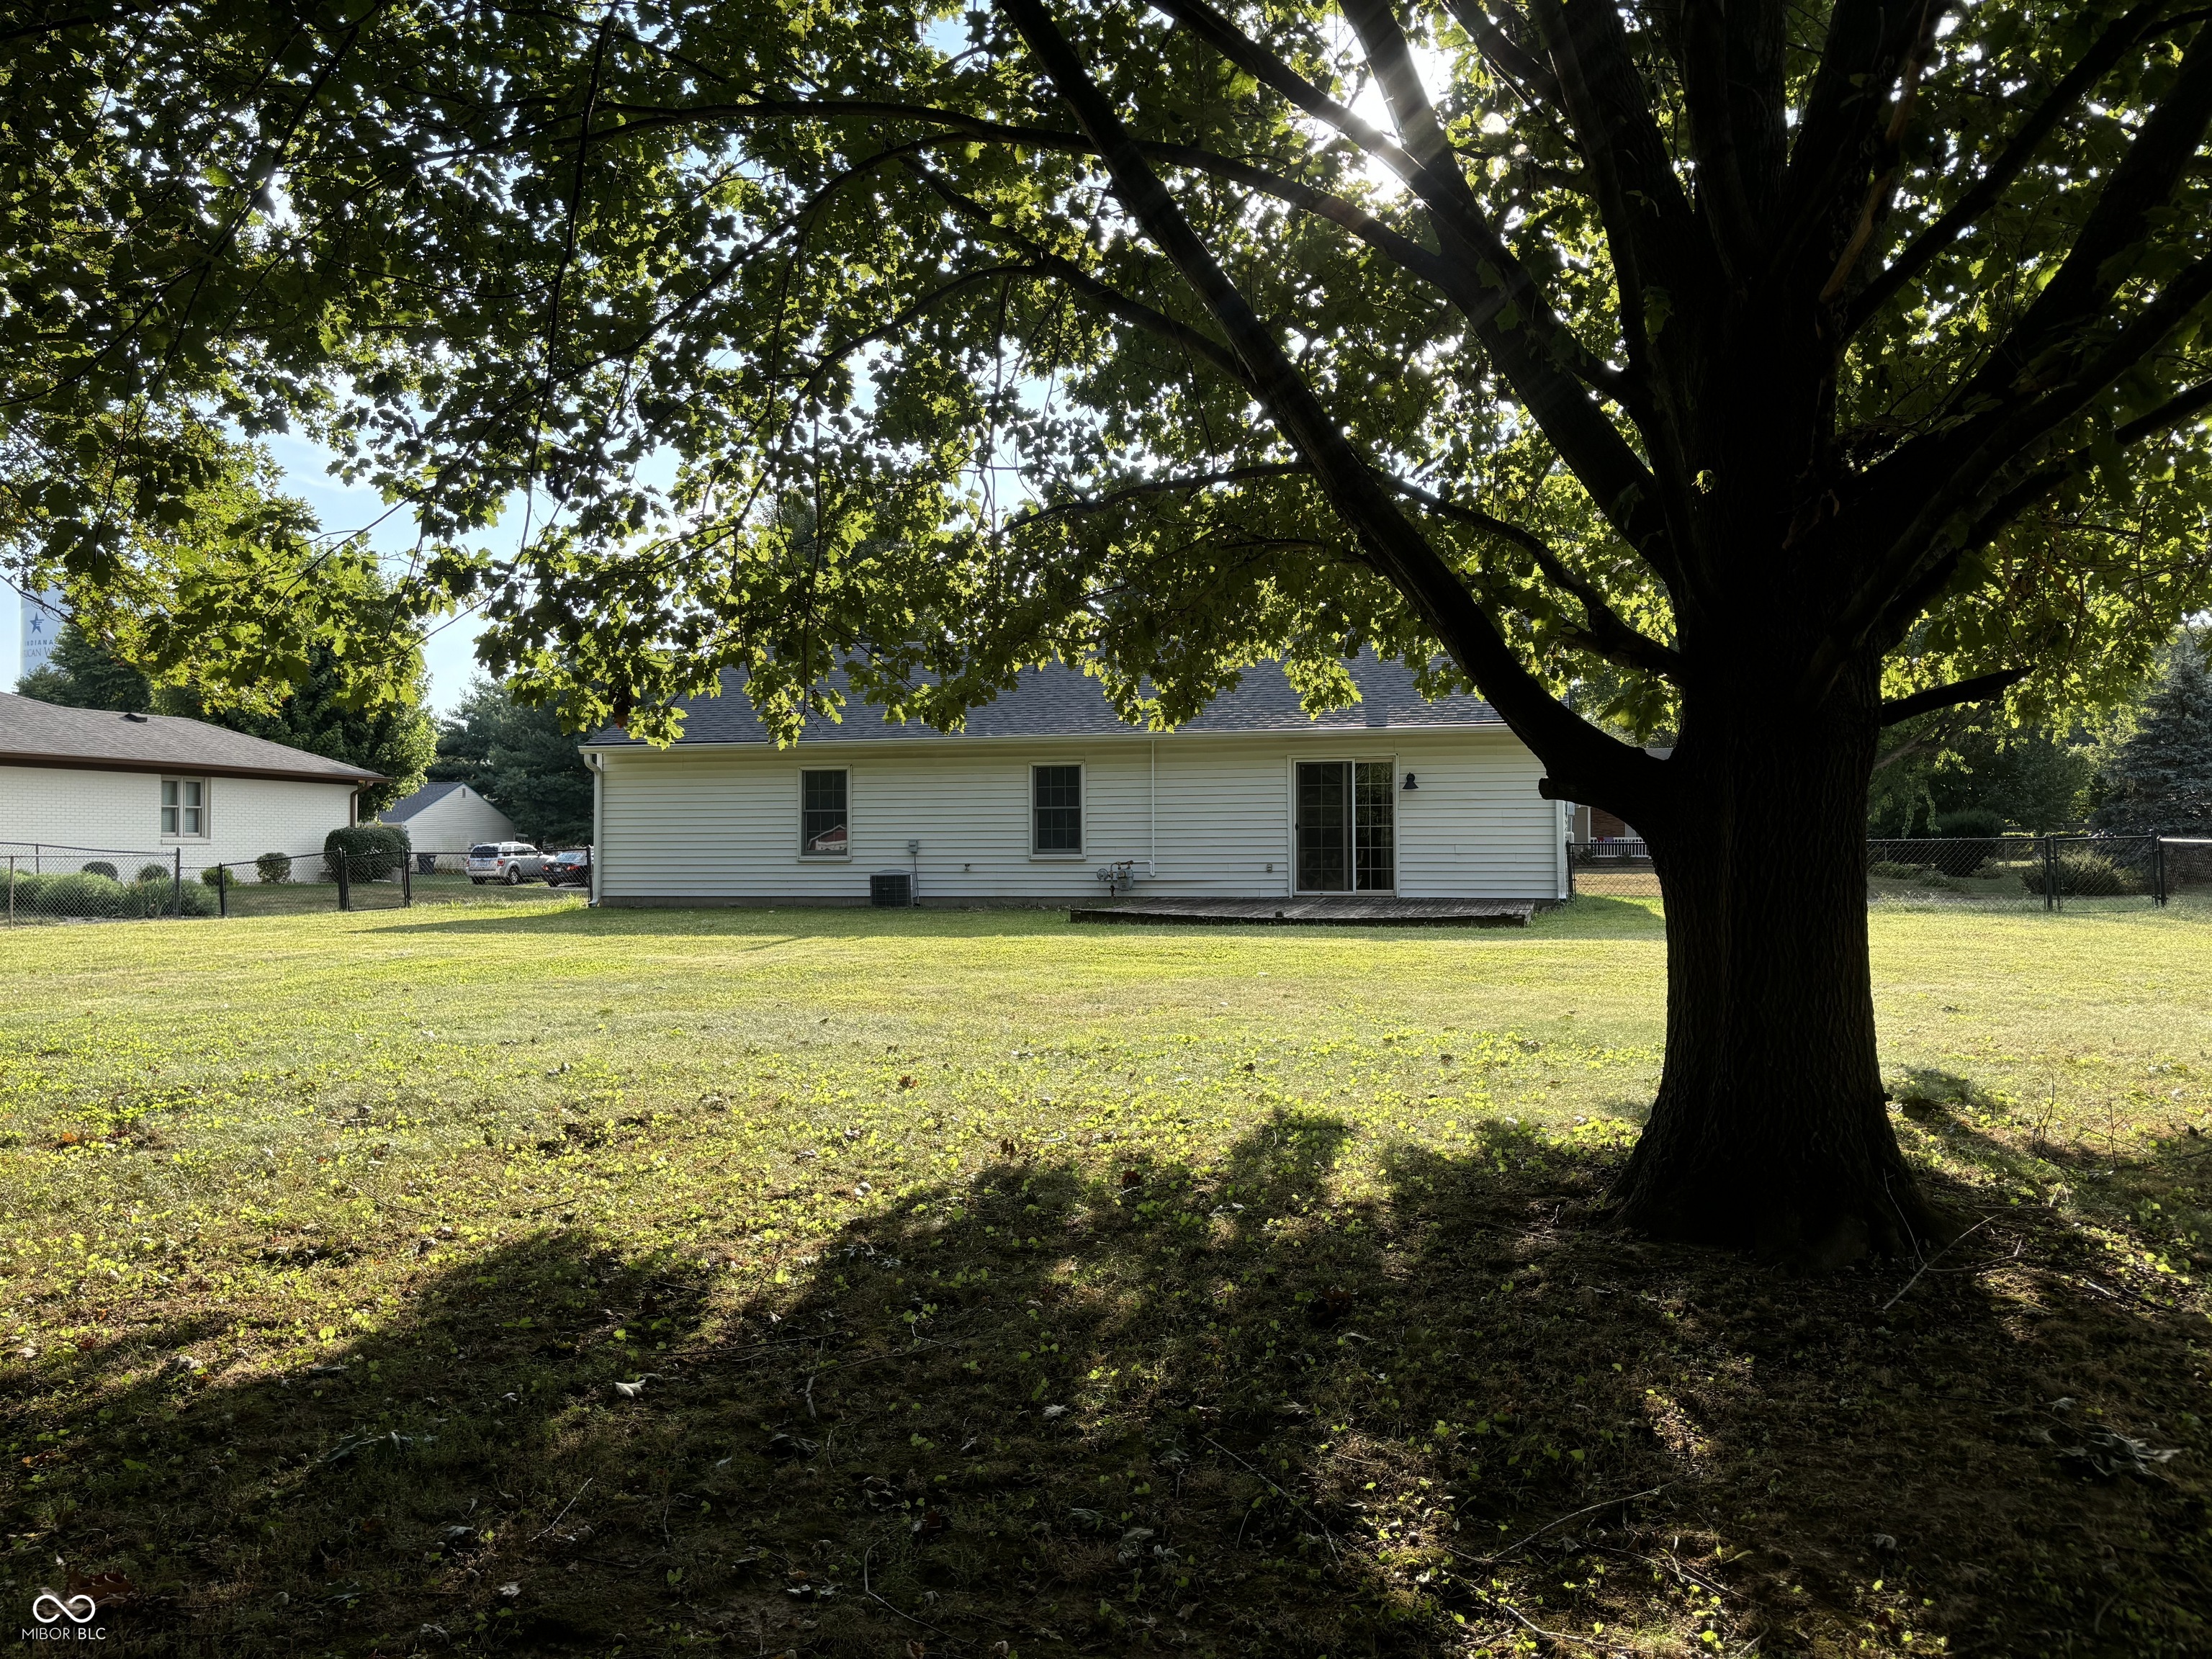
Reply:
x=450, y=653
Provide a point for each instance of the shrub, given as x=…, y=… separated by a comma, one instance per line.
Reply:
x=102, y=867
x=1890, y=870
x=2091, y=875
x=212, y=875
x=274, y=866
x=155, y=871
x=91, y=896
x=2082, y=875
x=1979, y=822
x=373, y=850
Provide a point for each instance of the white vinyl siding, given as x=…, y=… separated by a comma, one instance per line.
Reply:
x=456, y=822
x=716, y=824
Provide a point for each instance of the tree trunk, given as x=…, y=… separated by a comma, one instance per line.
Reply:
x=1770, y=1129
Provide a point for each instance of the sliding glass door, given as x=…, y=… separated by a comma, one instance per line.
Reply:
x=1347, y=827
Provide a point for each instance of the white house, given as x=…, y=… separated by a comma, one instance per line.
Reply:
x=1397, y=796
x=156, y=785
x=448, y=817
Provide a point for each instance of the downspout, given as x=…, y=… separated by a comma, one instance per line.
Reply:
x=1152, y=856
x=598, y=764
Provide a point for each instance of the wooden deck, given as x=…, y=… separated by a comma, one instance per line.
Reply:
x=1329, y=911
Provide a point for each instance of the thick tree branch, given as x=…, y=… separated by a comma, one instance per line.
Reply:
x=1889, y=157
x=1402, y=249
x=1980, y=689
x=1946, y=524
x=1705, y=77
x=1112, y=301
x=1609, y=635
x=1617, y=135
x=2103, y=55
x=1114, y=498
x=1504, y=53
x=1567, y=743
x=1860, y=62
x=2038, y=485
x=2124, y=216
x=1538, y=354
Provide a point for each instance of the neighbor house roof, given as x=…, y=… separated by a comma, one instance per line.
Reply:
x=408, y=805
x=34, y=734
x=1058, y=702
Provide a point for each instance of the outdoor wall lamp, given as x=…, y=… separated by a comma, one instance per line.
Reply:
x=1410, y=785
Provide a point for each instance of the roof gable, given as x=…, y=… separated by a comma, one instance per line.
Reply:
x=1058, y=701
x=408, y=806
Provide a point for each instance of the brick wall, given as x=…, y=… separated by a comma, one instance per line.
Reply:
x=246, y=816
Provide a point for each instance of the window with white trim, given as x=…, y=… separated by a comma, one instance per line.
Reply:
x=185, y=808
x=1056, y=809
x=823, y=827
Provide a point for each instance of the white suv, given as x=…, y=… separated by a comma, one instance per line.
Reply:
x=511, y=861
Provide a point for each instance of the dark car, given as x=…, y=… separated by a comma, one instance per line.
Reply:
x=572, y=869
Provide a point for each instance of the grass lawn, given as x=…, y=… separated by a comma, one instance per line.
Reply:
x=511, y=1276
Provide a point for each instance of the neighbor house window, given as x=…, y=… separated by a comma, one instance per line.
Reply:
x=184, y=807
x=823, y=829
x=1056, y=809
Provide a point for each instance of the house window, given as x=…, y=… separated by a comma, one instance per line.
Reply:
x=1347, y=827
x=1056, y=809
x=183, y=808
x=823, y=831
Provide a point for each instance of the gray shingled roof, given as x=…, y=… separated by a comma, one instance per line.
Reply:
x=408, y=805
x=43, y=733
x=1057, y=701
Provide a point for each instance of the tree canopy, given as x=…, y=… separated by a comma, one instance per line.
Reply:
x=2161, y=779
x=395, y=736
x=1577, y=341
x=520, y=760
x=1787, y=371
x=81, y=674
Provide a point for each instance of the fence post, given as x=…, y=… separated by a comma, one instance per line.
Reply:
x=2158, y=869
x=11, y=889
x=343, y=865
x=177, y=883
x=223, y=889
x=407, y=879
x=2051, y=872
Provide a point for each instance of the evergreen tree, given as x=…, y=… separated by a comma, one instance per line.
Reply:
x=2029, y=778
x=520, y=760
x=399, y=739
x=396, y=738
x=81, y=673
x=2161, y=779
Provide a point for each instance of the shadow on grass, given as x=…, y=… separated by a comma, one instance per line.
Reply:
x=1585, y=918
x=1120, y=1404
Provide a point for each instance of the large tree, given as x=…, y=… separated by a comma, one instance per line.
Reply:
x=517, y=759
x=81, y=673
x=2160, y=778
x=1791, y=369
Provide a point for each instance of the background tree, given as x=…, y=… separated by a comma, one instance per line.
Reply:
x=2160, y=778
x=81, y=673
x=517, y=759
x=2028, y=777
x=1814, y=367
x=396, y=737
